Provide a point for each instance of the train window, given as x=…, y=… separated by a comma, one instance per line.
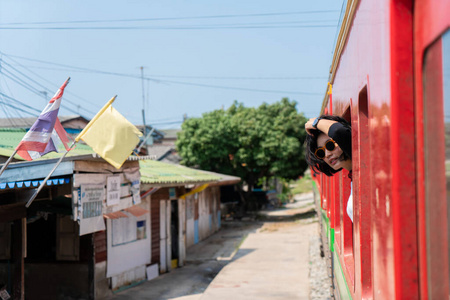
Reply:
x=436, y=106
x=346, y=223
x=362, y=196
x=343, y=228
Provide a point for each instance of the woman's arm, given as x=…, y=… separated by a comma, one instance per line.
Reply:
x=323, y=125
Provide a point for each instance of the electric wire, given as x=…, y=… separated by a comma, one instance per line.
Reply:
x=341, y=16
x=169, y=81
x=12, y=77
x=199, y=77
x=18, y=108
x=20, y=102
x=5, y=109
x=24, y=75
x=56, y=86
x=30, y=88
x=36, y=91
x=165, y=28
x=174, y=18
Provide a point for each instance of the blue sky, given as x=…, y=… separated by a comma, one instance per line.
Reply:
x=197, y=56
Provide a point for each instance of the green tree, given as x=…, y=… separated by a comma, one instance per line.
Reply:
x=251, y=143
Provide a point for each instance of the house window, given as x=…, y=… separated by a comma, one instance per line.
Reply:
x=172, y=193
x=128, y=230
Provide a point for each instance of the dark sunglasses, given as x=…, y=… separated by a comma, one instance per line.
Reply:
x=329, y=145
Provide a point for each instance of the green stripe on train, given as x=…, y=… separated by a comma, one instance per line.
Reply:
x=342, y=286
x=344, y=291
x=328, y=230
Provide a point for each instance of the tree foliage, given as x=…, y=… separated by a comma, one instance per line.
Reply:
x=247, y=142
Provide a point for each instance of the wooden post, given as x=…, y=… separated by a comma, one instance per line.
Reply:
x=18, y=254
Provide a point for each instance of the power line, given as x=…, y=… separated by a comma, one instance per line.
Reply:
x=20, y=102
x=201, y=77
x=18, y=108
x=165, y=28
x=20, y=82
x=16, y=112
x=341, y=15
x=168, y=123
x=175, y=18
x=170, y=81
x=240, y=89
x=54, y=85
x=26, y=85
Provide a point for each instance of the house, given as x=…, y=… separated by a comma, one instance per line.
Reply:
x=53, y=236
x=95, y=229
x=183, y=207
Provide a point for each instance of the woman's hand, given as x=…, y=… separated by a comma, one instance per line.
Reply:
x=309, y=127
x=323, y=125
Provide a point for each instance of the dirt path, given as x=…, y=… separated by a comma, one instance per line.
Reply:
x=266, y=258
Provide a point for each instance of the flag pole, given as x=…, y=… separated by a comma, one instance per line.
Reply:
x=146, y=138
x=5, y=165
x=48, y=176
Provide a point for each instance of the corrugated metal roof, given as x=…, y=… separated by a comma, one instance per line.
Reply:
x=152, y=172
x=11, y=137
x=28, y=122
x=155, y=172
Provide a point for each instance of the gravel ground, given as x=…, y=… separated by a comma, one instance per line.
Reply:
x=319, y=282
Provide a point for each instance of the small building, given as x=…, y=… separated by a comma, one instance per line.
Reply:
x=94, y=229
x=54, y=235
x=179, y=207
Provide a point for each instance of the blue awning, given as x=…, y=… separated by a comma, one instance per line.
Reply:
x=33, y=183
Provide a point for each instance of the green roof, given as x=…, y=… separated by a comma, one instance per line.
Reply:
x=162, y=173
x=152, y=172
x=10, y=138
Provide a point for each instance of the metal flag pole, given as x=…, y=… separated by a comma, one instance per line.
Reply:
x=48, y=176
x=145, y=140
x=5, y=165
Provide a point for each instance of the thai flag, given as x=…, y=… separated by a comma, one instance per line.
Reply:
x=47, y=133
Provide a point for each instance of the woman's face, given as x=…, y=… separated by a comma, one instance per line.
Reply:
x=333, y=158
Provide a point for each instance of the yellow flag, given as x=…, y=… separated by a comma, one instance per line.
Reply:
x=110, y=135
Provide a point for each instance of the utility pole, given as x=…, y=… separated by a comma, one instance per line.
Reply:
x=143, y=105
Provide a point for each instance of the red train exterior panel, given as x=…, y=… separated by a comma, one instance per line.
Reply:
x=399, y=235
x=431, y=20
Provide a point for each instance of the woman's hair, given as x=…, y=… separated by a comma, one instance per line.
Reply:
x=318, y=165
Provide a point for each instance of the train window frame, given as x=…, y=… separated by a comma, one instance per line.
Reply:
x=347, y=232
x=436, y=196
x=362, y=201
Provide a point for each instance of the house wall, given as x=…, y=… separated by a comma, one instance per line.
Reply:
x=127, y=262
x=161, y=194
x=204, y=205
x=128, y=248
x=75, y=123
x=202, y=215
x=191, y=203
x=102, y=289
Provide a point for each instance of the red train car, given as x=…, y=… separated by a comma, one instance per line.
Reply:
x=390, y=78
